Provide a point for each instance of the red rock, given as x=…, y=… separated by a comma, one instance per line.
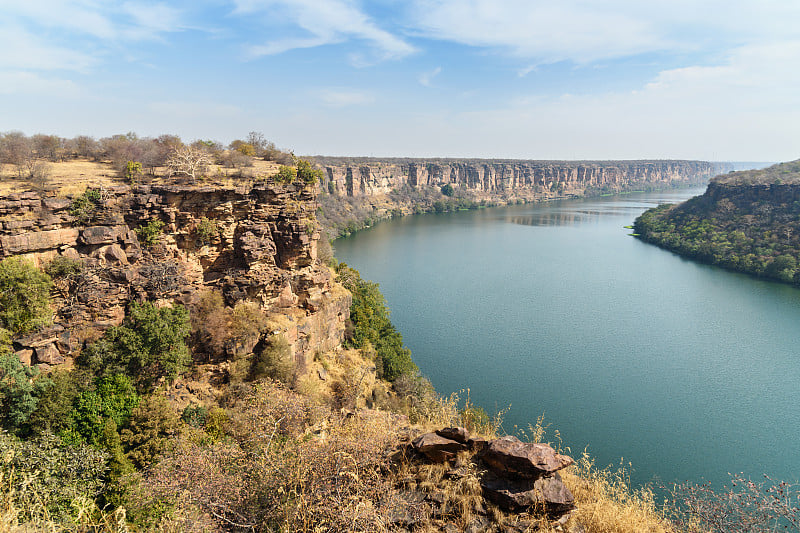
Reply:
x=512, y=457
x=437, y=449
x=457, y=434
x=545, y=493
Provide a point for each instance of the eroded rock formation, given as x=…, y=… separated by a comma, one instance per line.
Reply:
x=256, y=244
x=368, y=177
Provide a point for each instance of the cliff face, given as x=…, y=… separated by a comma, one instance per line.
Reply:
x=368, y=177
x=256, y=244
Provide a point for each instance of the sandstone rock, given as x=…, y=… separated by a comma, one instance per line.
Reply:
x=116, y=254
x=100, y=235
x=44, y=336
x=437, y=449
x=56, y=204
x=478, y=445
x=49, y=354
x=36, y=241
x=25, y=356
x=512, y=457
x=457, y=434
x=545, y=493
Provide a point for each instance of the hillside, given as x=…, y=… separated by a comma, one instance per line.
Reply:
x=748, y=221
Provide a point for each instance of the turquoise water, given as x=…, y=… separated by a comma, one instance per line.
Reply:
x=685, y=370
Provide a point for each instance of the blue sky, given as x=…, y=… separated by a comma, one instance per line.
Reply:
x=567, y=79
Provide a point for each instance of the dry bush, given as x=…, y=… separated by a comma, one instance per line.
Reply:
x=607, y=503
x=272, y=474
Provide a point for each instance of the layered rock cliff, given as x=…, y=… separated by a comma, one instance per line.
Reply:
x=256, y=244
x=368, y=177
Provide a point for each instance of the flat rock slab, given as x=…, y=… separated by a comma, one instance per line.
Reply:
x=511, y=457
x=437, y=448
x=548, y=494
x=457, y=434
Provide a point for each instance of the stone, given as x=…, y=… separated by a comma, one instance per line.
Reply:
x=478, y=445
x=36, y=241
x=100, y=235
x=49, y=354
x=25, y=356
x=437, y=449
x=115, y=254
x=322, y=373
x=457, y=434
x=44, y=336
x=512, y=457
x=545, y=493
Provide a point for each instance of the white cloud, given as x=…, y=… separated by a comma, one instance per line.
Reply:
x=344, y=97
x=582, y=32
x=24, y=50
x=427, y=77
x=26, y=83
x=324, y=22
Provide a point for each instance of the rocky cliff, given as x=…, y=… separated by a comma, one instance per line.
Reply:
x=256, y=244
x=367, y=177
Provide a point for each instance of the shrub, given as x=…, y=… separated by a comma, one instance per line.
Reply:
x=195, y=416
x=150, y=344
x=149, y=233
x=206, y=230
x=85, y=206
x=152, y=425
x=114, y=397
x=24, y=296
x=64, y=267
x=19, y=391
x=447, y=190
x=306, y=174
x=54, y=407
x=285, y=174
x=275, y=361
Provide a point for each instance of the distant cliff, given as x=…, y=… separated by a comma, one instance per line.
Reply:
x=746, y=221
x=365, y=177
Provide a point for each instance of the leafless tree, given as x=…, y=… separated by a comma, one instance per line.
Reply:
x=188, y=161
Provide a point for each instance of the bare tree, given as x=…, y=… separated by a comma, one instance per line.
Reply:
x=16, y=149
x=188, y=161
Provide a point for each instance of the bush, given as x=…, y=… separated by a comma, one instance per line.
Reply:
x=152, y=425
x=306, y=174
x=275, y=361
x=206, y=231
x=64, y=267
x=24, y=296
x=149, y=345
x=448, y=190
x=149, y=233
x=114, y=397
x=370, y=323
x=285, y=174
x=20, y=388
x=85, y=206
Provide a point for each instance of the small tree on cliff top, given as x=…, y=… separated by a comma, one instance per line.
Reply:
x=188, y=161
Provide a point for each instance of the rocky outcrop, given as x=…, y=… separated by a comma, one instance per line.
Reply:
x=493, y=177
x=256, y=244
x=514, y=475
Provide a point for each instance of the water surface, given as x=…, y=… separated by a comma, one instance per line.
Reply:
x=687, y=371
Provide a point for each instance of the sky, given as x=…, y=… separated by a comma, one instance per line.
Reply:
x=558, y=79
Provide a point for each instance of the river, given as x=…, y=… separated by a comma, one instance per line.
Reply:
x=686, y=371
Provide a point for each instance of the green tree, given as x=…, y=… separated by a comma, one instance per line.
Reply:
x=285, y=174
x=24, y=296
x=114, y=397
x=447, y=190
x=150, y=344
x=20, y=388
x=306, y=173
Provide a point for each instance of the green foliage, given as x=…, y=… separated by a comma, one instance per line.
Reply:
x=54, y=408
x=52, y=474
x=285, y=174
x=153, y=423
x=20, y=388
x=150, y=232
x=64, y=267
x=206, y=230
x=306, y=173
x=195, y=416
x=741, y=231
x=84, y=207
x=132, y=170
x=150, y=344
x=447, y=190
x=274, y=361
x=370, y=324
x=113, y=397
x=24, y=296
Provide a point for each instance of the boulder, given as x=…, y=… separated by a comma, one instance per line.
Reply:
x=513, y=458
x=545, y=493
x=101, y=234
x=437, y=449
x=25, y=356
x=49, y=354
x=457, y=434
